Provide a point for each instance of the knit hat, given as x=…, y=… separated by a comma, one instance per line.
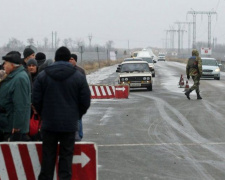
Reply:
x=13, y=58
x=74, y=56
x=40, y=56
x=32, y=61
x=62, y=54
x=27, y=52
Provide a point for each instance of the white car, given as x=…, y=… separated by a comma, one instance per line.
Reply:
x=136, y=74
x=161, y=57
x=210, y=68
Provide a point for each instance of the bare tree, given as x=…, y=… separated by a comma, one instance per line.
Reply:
x=46, y=43
x=30, y=41
x=14, y=44
x=66, y=42
x=79, y=42
x=109, y=44
x=72, y=43
x=57, y=43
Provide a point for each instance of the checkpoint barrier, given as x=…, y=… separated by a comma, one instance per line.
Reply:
x=22, y=161
x=122, y=91
x=107, y=91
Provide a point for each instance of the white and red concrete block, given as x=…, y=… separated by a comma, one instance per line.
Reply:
x=107, y=92
x=22, y=161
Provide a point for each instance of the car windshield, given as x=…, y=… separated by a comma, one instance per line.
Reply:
x=131, y=67
x=148, y=59
x=209, y=62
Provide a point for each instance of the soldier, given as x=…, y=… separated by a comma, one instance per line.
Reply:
x=194, y=70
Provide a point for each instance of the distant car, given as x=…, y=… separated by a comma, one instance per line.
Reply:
x=133, y=59
x=136, y=74
x=161, y=57
x=129, y=59
x=134, y=54
x=145, y=55
x=210, y=68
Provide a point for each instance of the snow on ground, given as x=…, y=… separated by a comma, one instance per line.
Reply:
x=101, y=74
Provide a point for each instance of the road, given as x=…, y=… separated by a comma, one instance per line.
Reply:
x=160, y=134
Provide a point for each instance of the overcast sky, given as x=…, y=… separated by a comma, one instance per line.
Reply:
x=141, y=22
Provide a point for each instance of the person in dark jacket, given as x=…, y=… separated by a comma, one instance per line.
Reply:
x=73, y=61
x=15, y=99
x=45, y=64
x=40, y=57
x=61, y=96
x=32, y=68
x=79, y=133
x=28, y=54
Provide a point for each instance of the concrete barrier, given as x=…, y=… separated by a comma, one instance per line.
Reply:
x=107, y=91
x=22, y=161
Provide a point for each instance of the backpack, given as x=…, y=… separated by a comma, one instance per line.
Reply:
x=192, y=62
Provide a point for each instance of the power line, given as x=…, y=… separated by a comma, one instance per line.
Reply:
x=194, y=13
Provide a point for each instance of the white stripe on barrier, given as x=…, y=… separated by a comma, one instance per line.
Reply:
x=114, y=89
x=103, y=91
x=3, y=171
x=17, y=162
x=97, y=91
x=34, y=157
x=55, y=175
x=108, y=90
x=92, y=91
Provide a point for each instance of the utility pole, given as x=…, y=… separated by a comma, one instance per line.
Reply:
x=52, y=39
x=55, y=39
x=194, y=13
x=90, y=38
x=97, y=50
x=172, y=33
x=81, y=52
x=189, y=31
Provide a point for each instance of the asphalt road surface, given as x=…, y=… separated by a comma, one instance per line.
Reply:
x=160, y=134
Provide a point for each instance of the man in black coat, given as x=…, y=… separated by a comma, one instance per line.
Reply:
x=61, y=96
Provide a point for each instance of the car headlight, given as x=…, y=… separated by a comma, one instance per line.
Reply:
x=144, y=78
x=217, y=70
x=126, y=79
x=122, y=79
x=148, y=78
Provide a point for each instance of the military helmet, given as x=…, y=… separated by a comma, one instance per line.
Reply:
x=195, y=52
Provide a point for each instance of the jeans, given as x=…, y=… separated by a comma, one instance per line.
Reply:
x=49, y=154
x=79, y=133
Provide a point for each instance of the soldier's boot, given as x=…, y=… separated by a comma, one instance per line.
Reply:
x=198, y=96
x=188, y=93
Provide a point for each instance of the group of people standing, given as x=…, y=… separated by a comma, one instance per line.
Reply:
x=57, y=91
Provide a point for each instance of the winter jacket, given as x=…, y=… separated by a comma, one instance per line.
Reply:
x=15, y=99
x=61, y=96
x=194, y=65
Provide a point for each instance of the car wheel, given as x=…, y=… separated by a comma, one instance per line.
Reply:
x=218, y=78
x=149, y=88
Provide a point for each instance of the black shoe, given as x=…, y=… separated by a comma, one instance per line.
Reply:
x=198, y=96
x=188, y=94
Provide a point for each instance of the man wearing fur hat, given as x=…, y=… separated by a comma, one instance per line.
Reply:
x=15, y=95
x=61, y=96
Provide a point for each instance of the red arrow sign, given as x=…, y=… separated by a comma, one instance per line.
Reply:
x=85, y=161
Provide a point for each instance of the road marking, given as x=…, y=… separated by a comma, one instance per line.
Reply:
x=161, y=144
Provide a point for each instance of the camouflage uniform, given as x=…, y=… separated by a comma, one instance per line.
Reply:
x=194, y=70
